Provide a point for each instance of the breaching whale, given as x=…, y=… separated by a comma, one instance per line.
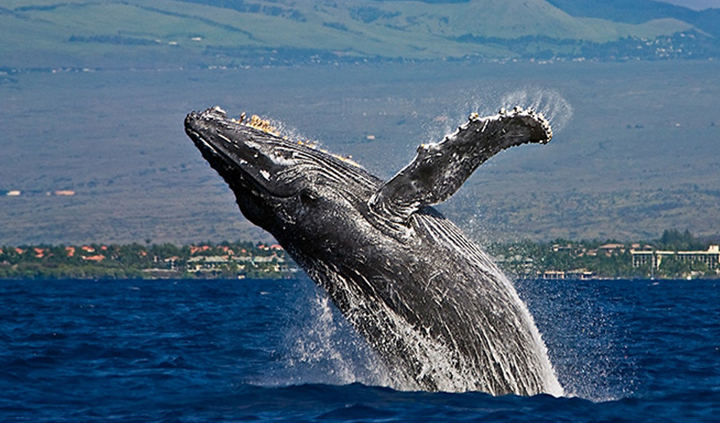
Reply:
x=430, y=302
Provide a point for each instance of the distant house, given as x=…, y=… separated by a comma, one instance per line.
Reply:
x=97, y=258
x=172, y=262
x=612, y=247
x=267, y=259
x=638, y=247
x=227, y=250
x=207, y=262
x=577, y=274
x=199, y=249
x=581, y=274
x=553, y=274
x=609, y=249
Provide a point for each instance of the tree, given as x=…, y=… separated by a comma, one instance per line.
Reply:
x=674, y=240
x=673, y=267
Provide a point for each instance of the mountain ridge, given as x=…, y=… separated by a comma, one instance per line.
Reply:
x=638, y=11
x=205, y=33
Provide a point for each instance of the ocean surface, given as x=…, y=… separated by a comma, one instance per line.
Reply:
x=276, y=350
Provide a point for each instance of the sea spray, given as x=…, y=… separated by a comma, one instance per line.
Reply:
x=322, y=347
x=548, y=102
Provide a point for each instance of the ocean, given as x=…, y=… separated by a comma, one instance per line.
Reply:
x=276, y=350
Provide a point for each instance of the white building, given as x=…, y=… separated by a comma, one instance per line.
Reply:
x=711, y=257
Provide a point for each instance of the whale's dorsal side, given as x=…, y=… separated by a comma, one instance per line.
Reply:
x=439, y=169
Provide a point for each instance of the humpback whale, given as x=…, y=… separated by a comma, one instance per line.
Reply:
x=430, y=302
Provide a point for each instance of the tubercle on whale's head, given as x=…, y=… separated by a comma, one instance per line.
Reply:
x=258, y=123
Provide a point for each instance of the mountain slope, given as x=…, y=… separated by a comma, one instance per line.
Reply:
x=639, y=11
x=200, y=33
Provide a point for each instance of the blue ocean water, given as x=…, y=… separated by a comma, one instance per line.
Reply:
x=166, y=351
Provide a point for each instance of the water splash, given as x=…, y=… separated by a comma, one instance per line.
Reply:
x=292, y=133
x=548, y=102
x=556, y=109
x=322, y=347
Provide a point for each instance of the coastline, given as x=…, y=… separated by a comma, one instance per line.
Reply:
x=559, y=260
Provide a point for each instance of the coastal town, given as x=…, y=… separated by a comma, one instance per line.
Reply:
x=676, y=255
x=586, y=260
x=226, y=260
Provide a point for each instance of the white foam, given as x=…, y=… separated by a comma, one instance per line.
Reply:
x=322, y=346
x=548, y=102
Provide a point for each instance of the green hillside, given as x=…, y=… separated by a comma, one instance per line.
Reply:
x=638, y=11
x=203, y=33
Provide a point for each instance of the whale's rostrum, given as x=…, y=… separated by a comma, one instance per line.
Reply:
x=433, y=305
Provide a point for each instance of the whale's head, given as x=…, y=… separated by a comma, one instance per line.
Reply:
x=279, y=184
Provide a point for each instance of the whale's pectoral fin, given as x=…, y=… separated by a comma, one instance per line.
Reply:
x=440, y=169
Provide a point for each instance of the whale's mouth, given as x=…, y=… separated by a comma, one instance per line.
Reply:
x=200, y=127
x=243, y=154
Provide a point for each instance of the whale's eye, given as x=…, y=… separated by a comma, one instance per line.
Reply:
x=308, y=196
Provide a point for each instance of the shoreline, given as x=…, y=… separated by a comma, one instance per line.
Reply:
x=676, y=256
